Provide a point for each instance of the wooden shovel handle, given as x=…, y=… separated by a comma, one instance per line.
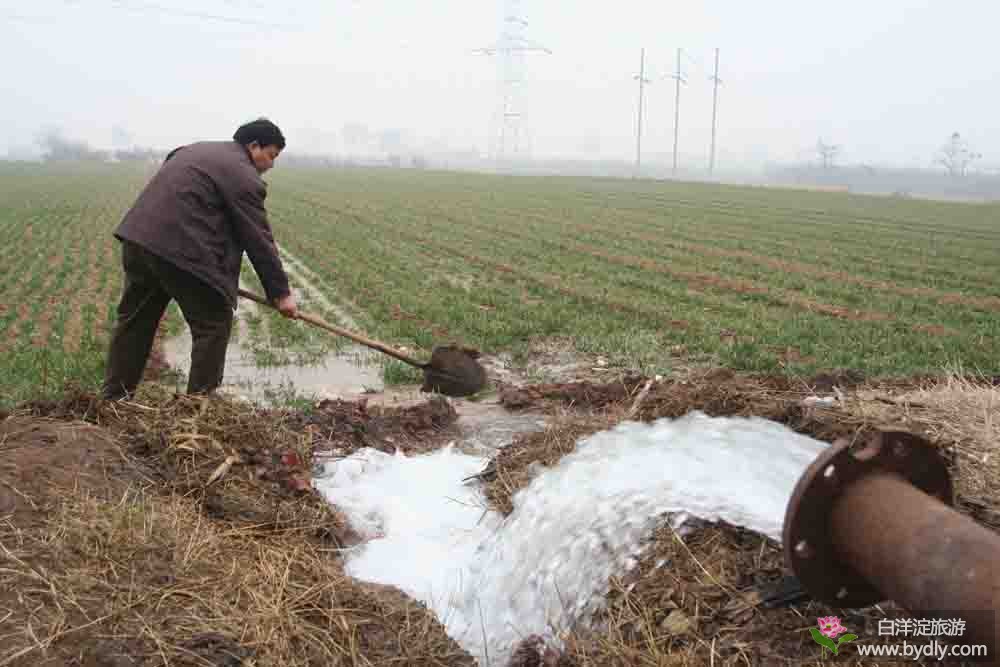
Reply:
x=358, y=338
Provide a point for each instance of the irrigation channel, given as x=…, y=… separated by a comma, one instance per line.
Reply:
x=494, y=580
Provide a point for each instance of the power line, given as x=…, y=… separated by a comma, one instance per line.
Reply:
x=245, y=3
x=150, y=7
x=24, y=18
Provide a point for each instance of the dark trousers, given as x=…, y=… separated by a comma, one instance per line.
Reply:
x=150, y=284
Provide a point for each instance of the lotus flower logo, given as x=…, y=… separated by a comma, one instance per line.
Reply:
x=828, y=630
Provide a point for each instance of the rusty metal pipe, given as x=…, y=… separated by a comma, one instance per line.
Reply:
x=871, y=519
x=919, y=552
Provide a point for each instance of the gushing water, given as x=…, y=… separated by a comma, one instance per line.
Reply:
x=545, y=568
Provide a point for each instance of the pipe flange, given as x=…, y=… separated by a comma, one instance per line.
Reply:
x=807, y=535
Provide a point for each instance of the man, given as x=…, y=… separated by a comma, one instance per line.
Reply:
x=184, y=239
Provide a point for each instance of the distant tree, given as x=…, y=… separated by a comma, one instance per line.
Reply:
x=60, y=148
x=956, y=156
x=827, y=153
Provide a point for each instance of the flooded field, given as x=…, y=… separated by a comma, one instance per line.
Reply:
x=350, y=372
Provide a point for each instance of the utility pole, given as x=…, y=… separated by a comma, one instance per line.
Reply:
x=715, y=105
x=638, y=133
x=677, y=105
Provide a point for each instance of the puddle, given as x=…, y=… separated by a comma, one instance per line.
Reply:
x=486, y=426
x=349, y=372
x=482, y=427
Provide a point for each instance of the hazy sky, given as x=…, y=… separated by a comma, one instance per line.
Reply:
x=889, y=80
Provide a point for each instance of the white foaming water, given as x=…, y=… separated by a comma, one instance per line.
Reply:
x=545, y=568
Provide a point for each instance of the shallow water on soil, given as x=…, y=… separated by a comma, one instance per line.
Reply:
x=346, y=373
x=486, y=426
x=493, y=580
x=335, y=375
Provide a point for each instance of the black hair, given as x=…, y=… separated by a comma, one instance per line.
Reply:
x=263, y=131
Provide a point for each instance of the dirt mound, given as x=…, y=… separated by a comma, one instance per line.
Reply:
x=584, y=394
x=41, y=458
x=348, y=426
x=152, y=582
x=716, y=391
x=251, y=466
x=220, y=554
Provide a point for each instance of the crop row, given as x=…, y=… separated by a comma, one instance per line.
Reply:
x=761, y=275
x=380, y=253
x=638, y=271
x=940, y=258
x=60, y=274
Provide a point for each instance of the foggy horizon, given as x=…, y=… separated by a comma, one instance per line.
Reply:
x=887, y=82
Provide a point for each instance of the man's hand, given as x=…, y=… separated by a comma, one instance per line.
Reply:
x=286, y=306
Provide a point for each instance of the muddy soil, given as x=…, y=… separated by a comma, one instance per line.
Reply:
x=347, y=426
x=41, y=458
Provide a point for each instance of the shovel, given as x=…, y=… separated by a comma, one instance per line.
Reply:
x=452, y=371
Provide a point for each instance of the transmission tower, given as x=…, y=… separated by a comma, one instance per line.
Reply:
x=507, y=132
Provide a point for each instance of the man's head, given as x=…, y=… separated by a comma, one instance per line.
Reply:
x=263, y=140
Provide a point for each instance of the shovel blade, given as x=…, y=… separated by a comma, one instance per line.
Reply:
x=453, y=371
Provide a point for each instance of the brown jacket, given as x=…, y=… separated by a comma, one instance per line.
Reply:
x=201, y=211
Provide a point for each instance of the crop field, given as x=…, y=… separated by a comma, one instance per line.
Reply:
x=644, y=273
